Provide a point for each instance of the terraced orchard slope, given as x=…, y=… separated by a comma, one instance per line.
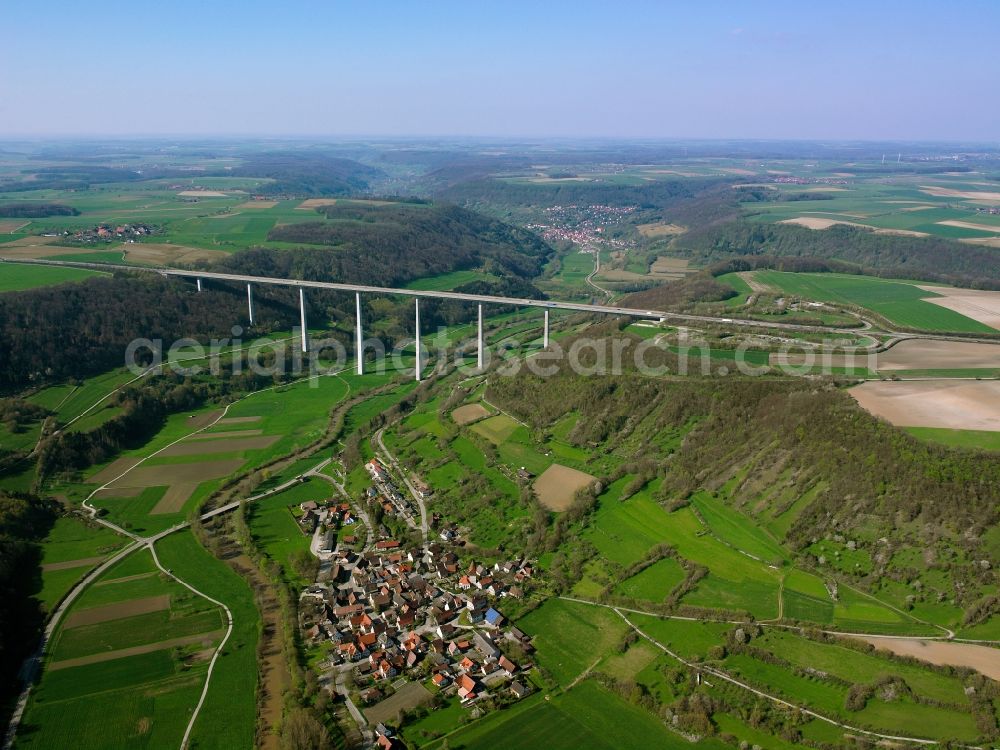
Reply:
x=775, y=498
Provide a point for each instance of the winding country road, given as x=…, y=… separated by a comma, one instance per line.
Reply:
x=29, y=670
x=391, y=461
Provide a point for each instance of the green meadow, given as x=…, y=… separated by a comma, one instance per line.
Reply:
x=587, y=716
x=15, y=277
x=131, y=699
x=900, y=302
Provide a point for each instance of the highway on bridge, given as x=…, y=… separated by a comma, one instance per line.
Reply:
x=461, y=296
x=491, y=299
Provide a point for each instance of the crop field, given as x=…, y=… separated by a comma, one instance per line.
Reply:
x=586, y=716
x=228, y=717
x=71, y=549
x=624, y=532
x=684, y=637
x=496, y=429
x=902, y=303
x=570, y=637
x=738, y=579
x=855, y=666
x=655, y=582
x=968, y=439
x=181, y=469
x=557, y=486
x=913, y=354
x=571, y=278
x=732, y=527
x=938, y=205
x=17, y=277
x=448, y=281
x=953, y=404
x=127, y=664
x=274, y=527
x=828, y=697
x=469, y=413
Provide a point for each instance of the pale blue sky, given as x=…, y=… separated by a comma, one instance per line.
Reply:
x=706, y=69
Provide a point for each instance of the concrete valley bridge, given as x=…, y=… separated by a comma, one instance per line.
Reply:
x=358, y=289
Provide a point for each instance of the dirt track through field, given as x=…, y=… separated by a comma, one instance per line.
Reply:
x=118, y=611
x=954, y=404
x=755, y=284
x=981, y=658
x=558, y=485
x=80, y=661
x=469, y=413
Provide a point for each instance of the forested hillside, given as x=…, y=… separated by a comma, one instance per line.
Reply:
x=24, y=520
x=884, y=254
x=75, y=330
x=762, y=444
x=659, y=194
x=294, y=173
x=395, y=243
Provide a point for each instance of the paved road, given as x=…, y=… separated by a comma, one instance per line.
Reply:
x=490, y=299
x=424, y=524
x=590, y=277
x=30, y=668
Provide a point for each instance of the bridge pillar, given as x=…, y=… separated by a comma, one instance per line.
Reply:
x=249, y=300
x=545, y=332
x=199, y=285
x=302, y=319
x=416, y=366
x=357, y=333
x=481, y=348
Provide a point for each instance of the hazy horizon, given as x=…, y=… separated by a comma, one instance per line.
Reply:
x=899, y=72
